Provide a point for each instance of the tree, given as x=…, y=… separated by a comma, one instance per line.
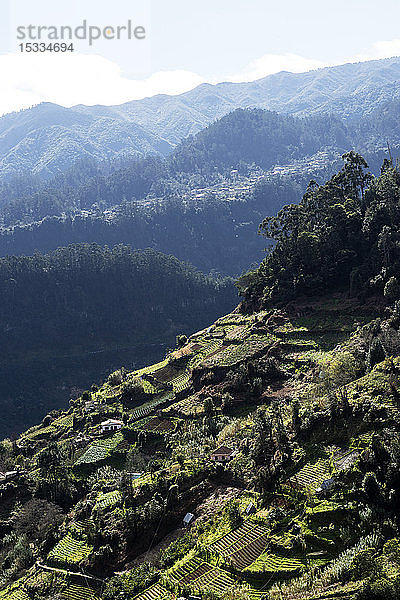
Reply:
x=392, y=290
x=391, y=549
x=232, y=512
x=37, y=519
x=181, y=340
x=372, y=488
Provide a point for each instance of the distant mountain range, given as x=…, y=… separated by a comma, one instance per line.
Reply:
x=48, y=139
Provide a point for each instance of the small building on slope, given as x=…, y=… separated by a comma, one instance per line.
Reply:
x=222, y=454
x=111, y=425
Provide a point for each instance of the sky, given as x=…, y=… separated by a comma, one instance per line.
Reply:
x=186, y=43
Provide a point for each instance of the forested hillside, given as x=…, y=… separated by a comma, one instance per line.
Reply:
x=258, y=137
x=342, y=236
x=241, y=140
x=204, y=202
x=84, y=301
x=274, y=432
x=211, y=232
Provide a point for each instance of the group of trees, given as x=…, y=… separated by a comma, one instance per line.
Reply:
x=343, y=236
x=88, y=295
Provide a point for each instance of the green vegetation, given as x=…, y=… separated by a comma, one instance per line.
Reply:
x=70, y=551
x=302, y=397
x=340, y=237
x=99, y=450
x=274, y=564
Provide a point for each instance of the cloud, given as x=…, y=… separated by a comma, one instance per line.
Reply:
x=69, y=79
x=273, y=63
x=383, y=49
x=73, y=78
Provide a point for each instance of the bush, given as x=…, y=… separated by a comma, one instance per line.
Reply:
x=177, y=550
x=132, y=391
x=380, y=589
x=392, y=549
x=116, y=378
x=391, y=290
x=364, y=564
x=125, y=586
x=372, y=488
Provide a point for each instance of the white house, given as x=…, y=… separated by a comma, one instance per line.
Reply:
x=111, y=425
x=223, y=454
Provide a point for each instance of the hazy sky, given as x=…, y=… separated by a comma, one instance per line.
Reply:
x=187, y=42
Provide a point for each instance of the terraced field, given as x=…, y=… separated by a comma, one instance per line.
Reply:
x=187, y=407
x=151, y=368
x=149, y=407
x=13, y=593
x=70, y=551
x=271, y=563
x=200, y=575
x=166, y=373
x=66, y=421
x=155, y=592
x=79, y=592
x=235, y=353
x=238, y=333
x=243, y=545
x=180, y=382
x=159, y=425
x=99, y=450
x=41, y=433
x=207, y=350
x=243, y=557
x=232, y=319
x=216, y=580
x=312, y=475
x=191, y=570
x=104, y=500
x=202, y=351
x=345, y=459
x=84, y=525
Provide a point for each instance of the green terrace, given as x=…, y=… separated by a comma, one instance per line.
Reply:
x=100, y=450
x=57, y=581
x=70, y=550
x=156, y=425
x=108, y=499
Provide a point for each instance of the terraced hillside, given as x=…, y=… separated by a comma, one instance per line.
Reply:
x=256, y=531
x=243, y=545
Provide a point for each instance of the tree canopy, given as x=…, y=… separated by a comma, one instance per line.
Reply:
x=343, y=235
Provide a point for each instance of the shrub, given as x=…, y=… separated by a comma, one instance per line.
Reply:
x=392, y=549
x=124, y=587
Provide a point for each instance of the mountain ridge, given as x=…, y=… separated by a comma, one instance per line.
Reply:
x=156, y=124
